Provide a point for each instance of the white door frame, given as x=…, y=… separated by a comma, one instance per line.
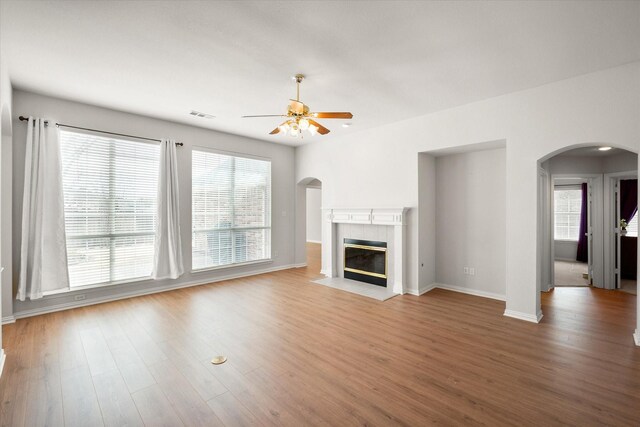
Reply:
x=612, y=234
x=595, y=226
x=545, y=227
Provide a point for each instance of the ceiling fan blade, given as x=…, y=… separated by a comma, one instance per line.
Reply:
x=277, y=130
x=344, y=115
x=297, y=107
x=264, y=115
x=321, y=129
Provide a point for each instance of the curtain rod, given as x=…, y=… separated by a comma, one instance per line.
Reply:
x=46, y=123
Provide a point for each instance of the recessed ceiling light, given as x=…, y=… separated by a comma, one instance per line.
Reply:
x=604, y=148
x=346, y=125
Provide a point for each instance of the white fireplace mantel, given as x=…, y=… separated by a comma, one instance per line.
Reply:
x=395, y=217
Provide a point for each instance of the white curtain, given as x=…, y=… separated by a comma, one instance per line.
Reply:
x=43, y=259
x=167, y=262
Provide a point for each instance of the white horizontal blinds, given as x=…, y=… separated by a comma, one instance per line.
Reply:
x=567, y=208
x=231, y=208
x=632, y=226
x=110, y=192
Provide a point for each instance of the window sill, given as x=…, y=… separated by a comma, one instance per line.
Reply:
x=226, y=266
x=565, y=240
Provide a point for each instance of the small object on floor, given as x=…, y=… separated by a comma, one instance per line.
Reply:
x=218, y=360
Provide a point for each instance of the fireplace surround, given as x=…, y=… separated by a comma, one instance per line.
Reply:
x=376, y=224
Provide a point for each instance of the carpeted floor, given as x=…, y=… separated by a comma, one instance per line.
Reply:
x=629, y=286
x=569, y=273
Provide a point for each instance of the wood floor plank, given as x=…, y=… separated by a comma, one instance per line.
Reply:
x=115, y=400
x=231, y=411
x=44, y=402
x=155, y=409
x=201, y=379
x=133, y=370
x=79, y=399
x=190, y=407
x=98, y=354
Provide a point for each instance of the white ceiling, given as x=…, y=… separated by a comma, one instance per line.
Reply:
x=383, y=61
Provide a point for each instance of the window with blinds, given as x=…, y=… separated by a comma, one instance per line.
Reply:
x=567, y=202
x=231, y=209
x=110, y=196
x=632, y=226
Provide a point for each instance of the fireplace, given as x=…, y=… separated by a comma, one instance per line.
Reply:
x=365, y=261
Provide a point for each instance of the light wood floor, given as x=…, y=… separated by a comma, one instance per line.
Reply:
x=302, y=354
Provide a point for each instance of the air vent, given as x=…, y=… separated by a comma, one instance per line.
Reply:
x=200, y=114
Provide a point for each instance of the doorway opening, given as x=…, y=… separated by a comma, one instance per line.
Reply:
x=587, y=219
x=309, y=220
x=572, y=205
x=624, y=211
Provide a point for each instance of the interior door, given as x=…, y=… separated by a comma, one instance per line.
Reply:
x=616, y=228
x=590, y=230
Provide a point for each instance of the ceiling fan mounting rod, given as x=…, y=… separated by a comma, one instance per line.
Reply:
x=298, y=78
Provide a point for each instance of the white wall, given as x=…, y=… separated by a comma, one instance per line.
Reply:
x=426, y=218
x=314, y=215
x=283, y=185
x=580, y=165
x=6, y=102
x=602, y=106
x=565, y=250
x=470, y=221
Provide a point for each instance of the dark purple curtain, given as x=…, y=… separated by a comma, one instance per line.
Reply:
x=583, y=242
x=628, y=198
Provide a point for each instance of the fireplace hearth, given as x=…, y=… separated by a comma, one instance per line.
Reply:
x=365, y=261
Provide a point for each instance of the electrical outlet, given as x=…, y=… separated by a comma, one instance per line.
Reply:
x=466, y=270
x=472, y=271
x=80, y=297
x=275, y=254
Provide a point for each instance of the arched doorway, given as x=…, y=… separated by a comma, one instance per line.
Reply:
x=309, y=224
x=582, y=248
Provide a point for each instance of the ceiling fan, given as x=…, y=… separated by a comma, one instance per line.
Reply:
x=300, y=119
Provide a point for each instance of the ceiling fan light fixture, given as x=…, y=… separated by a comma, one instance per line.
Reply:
x=284, y=127
x=313, y=130
x=303, y=124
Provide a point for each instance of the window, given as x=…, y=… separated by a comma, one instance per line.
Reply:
x=632, y=226
x=567, y=202
x=231, y=210
x=110, y=192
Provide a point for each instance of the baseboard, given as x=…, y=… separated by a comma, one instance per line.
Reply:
x=421, y=290
x=302, y=264
x=3, y=357
x=76, y=304
x=636, y=337
x=524, y=316
x=8, y=319
x=314, y=241
x=468, y=291
x=567, y=260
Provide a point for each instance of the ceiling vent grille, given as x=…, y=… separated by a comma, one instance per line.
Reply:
x=200, y=114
